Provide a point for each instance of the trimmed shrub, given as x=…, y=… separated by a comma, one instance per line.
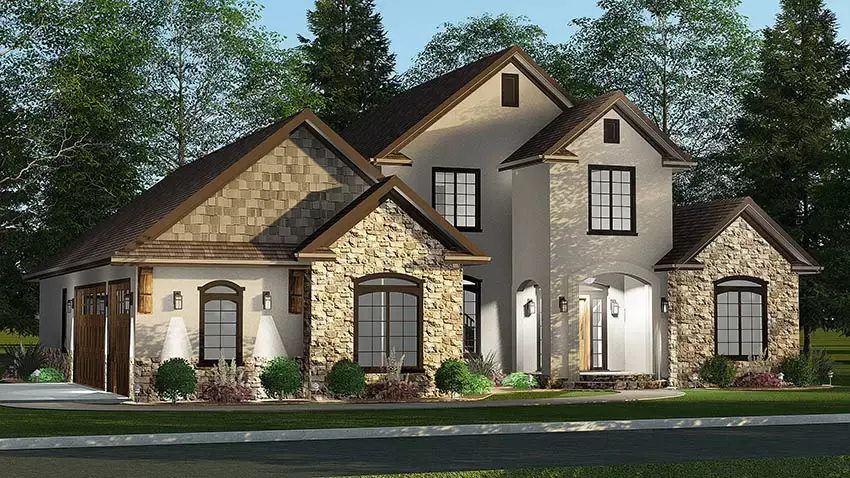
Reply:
x=822, y=364
x=758, y=380
x=798, y=370
x=281, y=377
x=718, y=370
x=226, y=385
x=175, y=379
x=47, y=375
x=346, y=379
x=392, y=390
x=477, y=384
x=451, y=376
x=518, y=380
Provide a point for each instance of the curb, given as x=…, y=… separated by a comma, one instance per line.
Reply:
x=100, y=441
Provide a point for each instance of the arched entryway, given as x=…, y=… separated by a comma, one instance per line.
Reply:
x=529, y=334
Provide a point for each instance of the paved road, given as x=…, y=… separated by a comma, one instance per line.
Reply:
x=328, y=458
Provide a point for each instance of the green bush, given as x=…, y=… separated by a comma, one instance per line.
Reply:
x=346, y=379
x=718, y=370
x=281, y=377
x=23, y=361
x=822, y=364
x=477, y=384
x=484, y=365
x=47, y=375
x=798, y=370
x=175, y=379
x=517, y=380
x=452, y=376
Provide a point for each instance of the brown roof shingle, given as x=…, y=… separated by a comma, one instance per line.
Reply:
x=201, y=250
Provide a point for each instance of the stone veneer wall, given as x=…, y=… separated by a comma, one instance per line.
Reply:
x=387, y=240
x=739, y=250
x=144, y=371
x=282, y=198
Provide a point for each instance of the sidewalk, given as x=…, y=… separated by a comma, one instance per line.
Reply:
x=411, y=432
x=622, y=396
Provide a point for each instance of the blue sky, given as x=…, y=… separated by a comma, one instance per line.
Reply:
x=410, y=24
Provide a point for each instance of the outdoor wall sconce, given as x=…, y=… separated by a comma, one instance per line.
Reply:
x=69, y=306
x=562, y=304
x=530, y=308
x=267, y=300
x=177, y=299
x=665, y=305
x=615, y=308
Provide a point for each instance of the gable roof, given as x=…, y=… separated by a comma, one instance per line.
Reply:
x=696, y=226
x=177, y=194
x=549, y=144
x=461, y=249
x=385, y=130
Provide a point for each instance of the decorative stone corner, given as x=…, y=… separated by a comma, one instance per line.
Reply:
x=737, y=251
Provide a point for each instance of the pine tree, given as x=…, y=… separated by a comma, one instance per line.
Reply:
x=793, y=153
x=349, y=58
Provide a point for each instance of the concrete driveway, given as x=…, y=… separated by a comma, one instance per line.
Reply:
x=55, y=392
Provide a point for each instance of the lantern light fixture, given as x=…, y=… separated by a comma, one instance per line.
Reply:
x=267, y=300
x=530, y=308
x=69, y=305
x=177, y=299
x=665, y=305
x=615, y=308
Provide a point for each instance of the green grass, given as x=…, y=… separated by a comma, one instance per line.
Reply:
x=7, y=338
x=534, y=394
x=697, y=403
x=832, y=466
x=838, y=348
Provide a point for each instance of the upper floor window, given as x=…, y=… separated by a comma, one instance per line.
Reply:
x=457, y=197
x=612, y=200
x=510, y=89
x=612, y=130
x=740, y=317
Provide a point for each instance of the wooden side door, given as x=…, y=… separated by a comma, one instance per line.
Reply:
x=118, y=358
x=584, y=334
x=90, y=335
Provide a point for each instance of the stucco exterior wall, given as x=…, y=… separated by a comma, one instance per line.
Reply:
x=281, y=198
x=576, y=256
x=480, y=133
x=387, y=240
x=737, y=251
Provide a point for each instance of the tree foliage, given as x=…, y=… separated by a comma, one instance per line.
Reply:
x=794, y=153
x=349, y=59
x=456, y=45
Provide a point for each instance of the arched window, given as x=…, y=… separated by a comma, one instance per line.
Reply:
x=387, y=317
x=740, y=317
x=221, y=322
x=471, y=315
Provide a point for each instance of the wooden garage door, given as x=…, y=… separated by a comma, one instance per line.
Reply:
x=90, y=335
x=118, y=359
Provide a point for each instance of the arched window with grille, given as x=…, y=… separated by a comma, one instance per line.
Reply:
x=740, y=324
x=221, y=322
x=387, y=318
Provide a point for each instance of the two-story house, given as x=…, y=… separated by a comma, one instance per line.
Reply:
x=485, y=211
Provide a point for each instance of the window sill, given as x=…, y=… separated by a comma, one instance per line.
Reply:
x=469, y=229
x=737, y=358
x=611, y=233
x=205, y=364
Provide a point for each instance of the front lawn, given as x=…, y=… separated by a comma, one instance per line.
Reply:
x=538, y=394
x=16, y=422
x=774, y=468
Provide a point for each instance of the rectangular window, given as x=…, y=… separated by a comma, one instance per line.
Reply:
x=471, y=315
x=296, y=291
x=457, y=197
x=612, y=200
x=612, y=130
x=510, y=90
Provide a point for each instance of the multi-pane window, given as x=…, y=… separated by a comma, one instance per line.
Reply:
x=471, y=315
x=612, y=200
x=388, y=313
x=221, y=320
x=741, y=318
x=457, y=197
x=597, y=333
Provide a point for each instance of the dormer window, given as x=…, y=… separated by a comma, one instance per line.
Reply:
x=510, y=90
x=612, y=200
x=612, y=130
